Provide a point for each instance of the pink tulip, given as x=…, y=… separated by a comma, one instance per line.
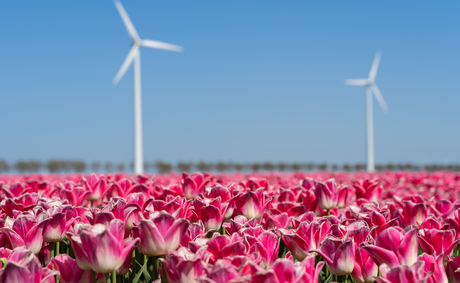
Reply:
x=345, y=196
x=182, y=270
x=435, y=266
x=211, y=214
x=96, y=185
x=394, y=248
x=69, y=271
x=102, y=248
x=194, y=184
x=266, y=244
x=75, y=195
x=25, y=231
x=404, y=274
x=339, y=255
x=285, y=271
x=311, y=272
x=307, y=238
x=23, y=266
x=221, y=272
x=253, y=204
x=14, y=207
x=380, y=221
x=308, y=198
x=454, y=221
x=117, y=208
x=368, y=189
x=326, y=194
x=223, y=246
x=14, y=190
x=413, y=213
x=239, y=222
x=177, y=207
x=365, y=268
x=161, y=234
x=451, y=269
x=276, y=221
x=58, y=225
x=434, y=241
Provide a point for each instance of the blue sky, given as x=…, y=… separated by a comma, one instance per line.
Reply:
x=258, y=81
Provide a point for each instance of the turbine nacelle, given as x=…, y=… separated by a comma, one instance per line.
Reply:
x=137, y=42
x=370, y=82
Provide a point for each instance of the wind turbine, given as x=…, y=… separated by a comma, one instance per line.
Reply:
x=371, y=87
x=135, y=56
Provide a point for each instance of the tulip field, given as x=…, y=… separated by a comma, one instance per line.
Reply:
x=272, y=227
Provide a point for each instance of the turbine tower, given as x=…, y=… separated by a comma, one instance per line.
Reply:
x=134, y=57
x=371, y=87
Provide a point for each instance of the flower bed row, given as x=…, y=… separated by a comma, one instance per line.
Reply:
x=265, y=227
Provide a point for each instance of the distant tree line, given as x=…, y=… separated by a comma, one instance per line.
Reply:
x=79, y=166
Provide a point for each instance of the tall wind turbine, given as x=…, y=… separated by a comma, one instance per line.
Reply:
x=371, y=87
x=135, y=56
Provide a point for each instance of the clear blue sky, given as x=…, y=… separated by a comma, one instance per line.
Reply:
x=258, y=81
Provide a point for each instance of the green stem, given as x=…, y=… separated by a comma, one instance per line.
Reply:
x=93, y=274
x=57, y=249
x=328, y=212
x=114, y=277
x=163, y=278
x=107, y=277
x=155, y=273
x=52, y=250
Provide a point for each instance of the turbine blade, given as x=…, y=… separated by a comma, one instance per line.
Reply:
x=357, y=82
x=379, y=97
x=161, y=45
x=124, y=67
x=375, y=66
x=128, y=24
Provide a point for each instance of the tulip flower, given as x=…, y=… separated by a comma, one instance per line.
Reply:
x=211, y=215
x=57, y=227
x=345, y=195
x=433, y=241
x=311, y=274
x=368, y=189
x=23, y=266
x=326, y=194
x=14, y=190
x=102, y=248
x=452, y=268
x=239, y=222
x=253, y=204
x=285, y=271
x=365, y=268
x=404, y=274
x=307, y=237
x=161, y=234
x=435, y=266
x=266, y=244
x=180, y=270
x=96, y=185
x=75, y=195
x=275, y=221
x=194, y=184
x=223, y=246
x=221, y=272
x=413, y=213
x=339, y=255
x=394, y=248
x=69, y=271
x=25, y=231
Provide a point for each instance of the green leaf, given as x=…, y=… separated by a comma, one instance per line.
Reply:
x=138, y=275
x=144, y=270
